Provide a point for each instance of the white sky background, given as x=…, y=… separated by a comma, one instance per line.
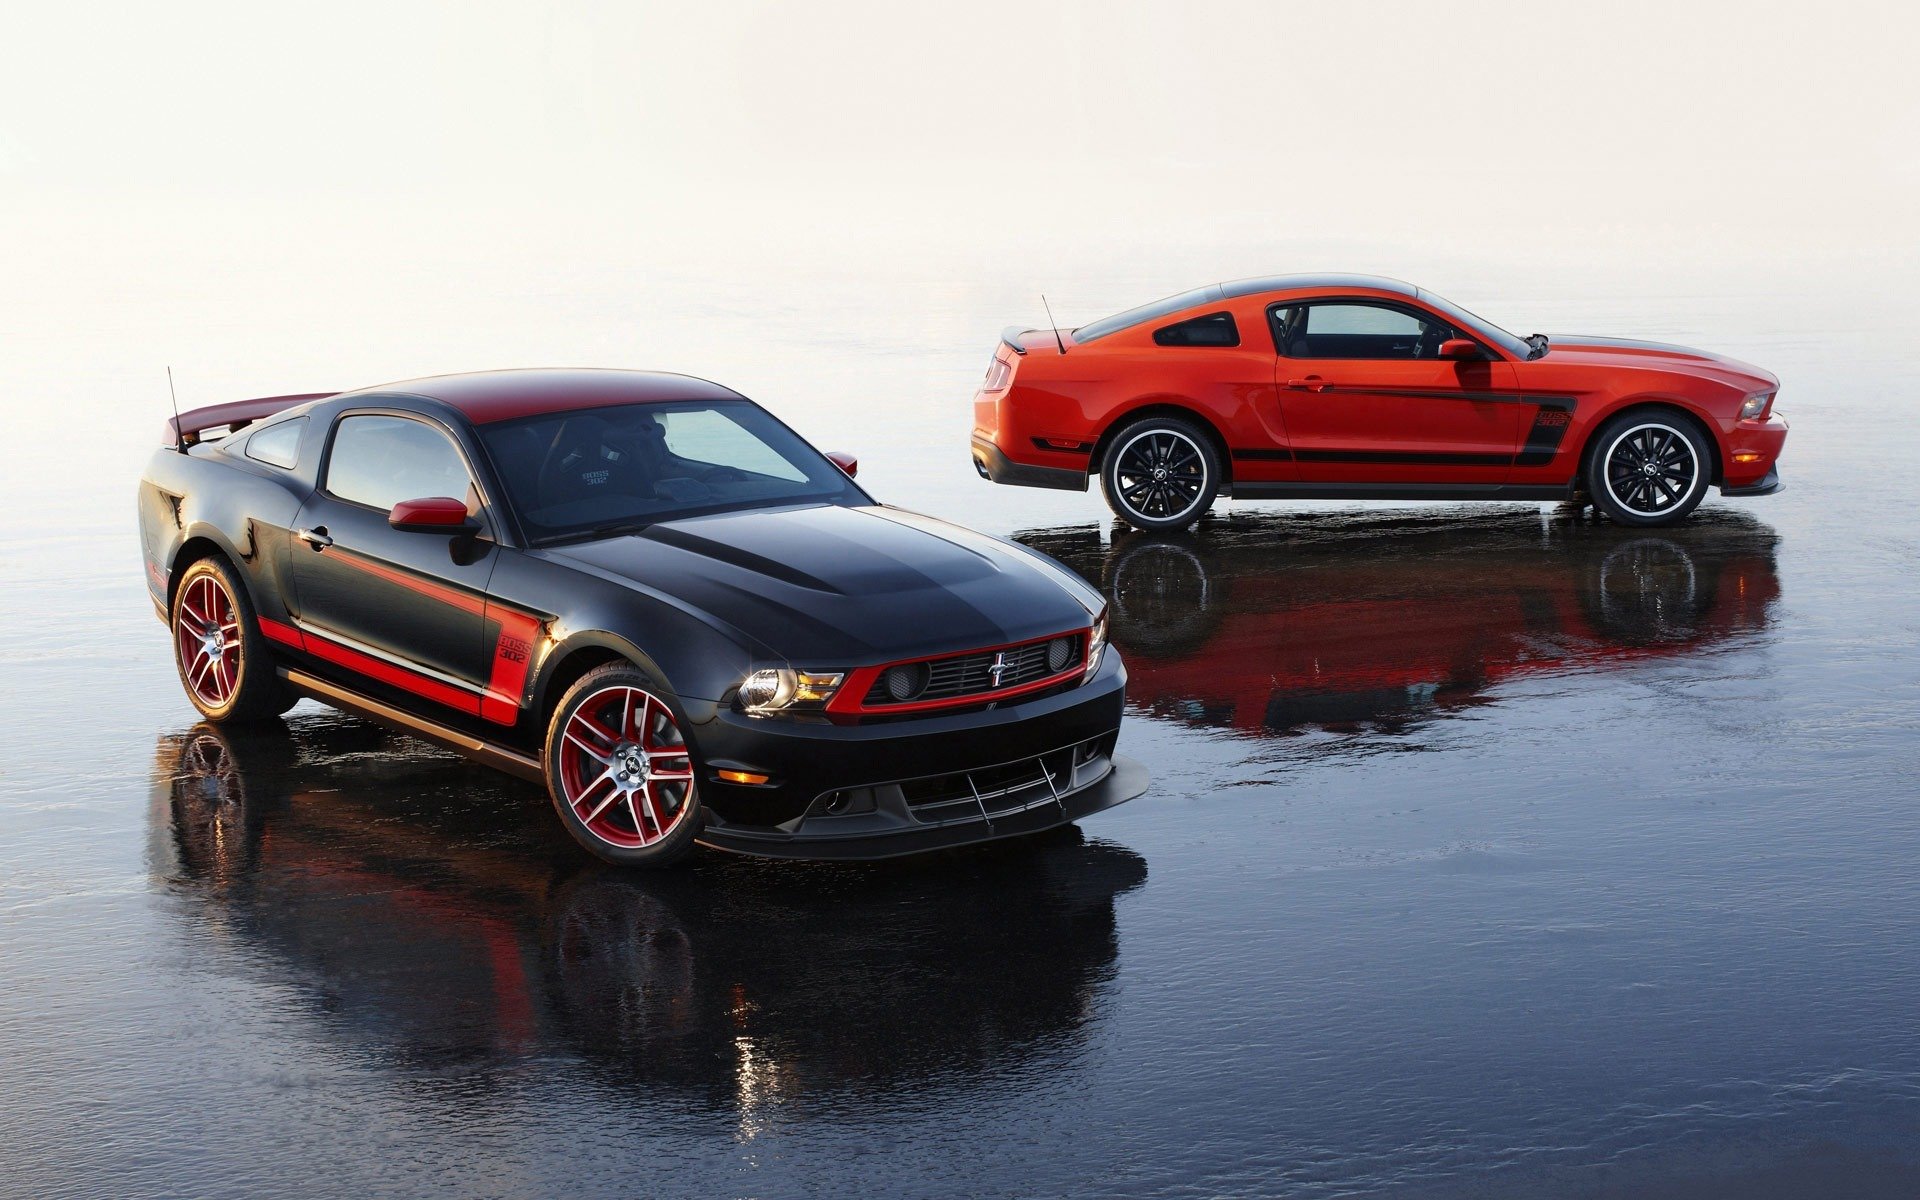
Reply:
x=1733, y=127
x=278, y=199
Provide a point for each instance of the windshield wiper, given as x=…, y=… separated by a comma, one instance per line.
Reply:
x=620, y=529
x=1539, y=343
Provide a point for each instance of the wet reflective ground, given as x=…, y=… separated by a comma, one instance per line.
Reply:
x=1491, y=852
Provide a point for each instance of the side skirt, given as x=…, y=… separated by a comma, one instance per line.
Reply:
x=498, y=757
x=1402, y=491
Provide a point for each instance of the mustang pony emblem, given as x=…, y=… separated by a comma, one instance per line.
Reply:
x=998, y=668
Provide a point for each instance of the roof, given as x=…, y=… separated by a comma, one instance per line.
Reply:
x=1214, y=293
x=1275, y=283
x=487, y=396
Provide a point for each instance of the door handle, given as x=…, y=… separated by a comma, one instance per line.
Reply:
x=1312, y=383
x=315, y=537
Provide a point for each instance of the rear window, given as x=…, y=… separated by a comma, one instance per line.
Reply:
x=1214, y=329
x=1148, y=312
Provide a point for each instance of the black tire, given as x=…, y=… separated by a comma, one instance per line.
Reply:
x=624, y=786
x=224, y=662
x=1649, y=467
x=1160, y=473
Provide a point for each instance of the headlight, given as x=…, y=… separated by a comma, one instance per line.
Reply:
x=782, y=689
x=1755, y=406
x=1096, y=641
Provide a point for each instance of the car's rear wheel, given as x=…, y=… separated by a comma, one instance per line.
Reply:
x=620, y=771
x=1649, y=468
x=1160, y=473
x=224, y=663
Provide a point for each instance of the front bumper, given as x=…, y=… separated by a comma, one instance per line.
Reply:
x=879, y=789
x=992, y=463
x=1753, y=453
x=1767, y=486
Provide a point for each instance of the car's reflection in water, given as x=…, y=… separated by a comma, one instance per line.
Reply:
x=1276, y=624
x=428, y=914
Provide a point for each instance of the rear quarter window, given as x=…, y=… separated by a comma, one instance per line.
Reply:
x=277, y=445
x=1214, y=329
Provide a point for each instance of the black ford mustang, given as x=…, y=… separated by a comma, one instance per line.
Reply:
x=645, y=591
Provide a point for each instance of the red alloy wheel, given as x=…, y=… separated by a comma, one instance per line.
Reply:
x=624, y=767
x=206, y=633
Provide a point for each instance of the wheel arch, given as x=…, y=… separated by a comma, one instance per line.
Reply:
x=1650, y=403
x=1178, y=407
x=571, y=661
x=195, y=547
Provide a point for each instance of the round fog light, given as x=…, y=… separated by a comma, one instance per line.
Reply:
x=1059, y=654
x=907, y=680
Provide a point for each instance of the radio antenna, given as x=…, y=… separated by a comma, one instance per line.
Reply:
x=1056, y=325
x=179, y=434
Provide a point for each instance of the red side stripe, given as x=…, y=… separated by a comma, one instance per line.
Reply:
x=280, y=631
x=459, y=599
x=388, y=673
x=512, y=656
x=512, y=648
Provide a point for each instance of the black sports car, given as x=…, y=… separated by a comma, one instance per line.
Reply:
x=645, y=591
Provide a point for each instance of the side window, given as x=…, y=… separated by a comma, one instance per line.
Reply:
x=1214, y=329
x=1355, y=330
x=278, y=445
x=380, y=461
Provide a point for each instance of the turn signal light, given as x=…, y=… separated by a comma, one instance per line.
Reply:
x=748, y=777
x=1747, y=456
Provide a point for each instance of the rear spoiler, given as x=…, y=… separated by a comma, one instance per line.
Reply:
x=185, y=430
x=1012, y=334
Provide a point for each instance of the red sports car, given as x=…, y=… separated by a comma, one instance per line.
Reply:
x=1353, y=387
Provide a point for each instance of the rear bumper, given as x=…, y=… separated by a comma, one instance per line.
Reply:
x=879, y=789
x=992, y=463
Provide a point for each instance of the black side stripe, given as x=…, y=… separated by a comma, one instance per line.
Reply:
x=1404, y=458
x=1550, y=425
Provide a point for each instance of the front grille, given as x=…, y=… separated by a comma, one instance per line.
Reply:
x=982, y=793
x=972, y=674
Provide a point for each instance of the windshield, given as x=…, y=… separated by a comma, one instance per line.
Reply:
x=1518, y=347
x=604, y=470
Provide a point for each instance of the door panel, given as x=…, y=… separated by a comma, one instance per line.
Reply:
x=1401, y=421
x=413, y=601
x=1366, y=399
x=406, y=610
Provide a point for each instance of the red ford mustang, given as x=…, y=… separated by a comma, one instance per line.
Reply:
x=1352, y=387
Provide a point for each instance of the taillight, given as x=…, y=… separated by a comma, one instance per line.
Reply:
x=999, y=375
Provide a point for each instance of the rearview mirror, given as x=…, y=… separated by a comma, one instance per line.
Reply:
x=846, y=462
x=432, y=514
x=1461, y=348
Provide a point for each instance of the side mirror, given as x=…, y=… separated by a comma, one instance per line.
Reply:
x=1461, y=349
x=846, y=462
x=432, y=514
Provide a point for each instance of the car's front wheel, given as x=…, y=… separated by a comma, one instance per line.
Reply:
x=620, y=771
x=1160, y=473
x=1649, y=468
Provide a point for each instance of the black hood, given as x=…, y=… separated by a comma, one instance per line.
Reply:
x=833, y=586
